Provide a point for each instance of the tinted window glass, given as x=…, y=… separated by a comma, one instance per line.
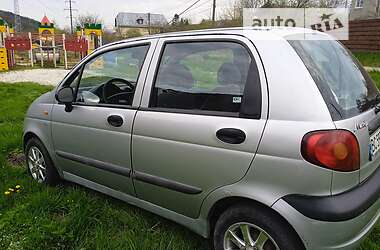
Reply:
x=202, y=76
x=344, y=84
x=111, y=77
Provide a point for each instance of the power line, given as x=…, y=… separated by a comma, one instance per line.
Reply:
x=70, y=9
x=197, y=8
x=201, y=11
x=189, y=7
x=179, y=6
x=183, y=12
x=200, y=5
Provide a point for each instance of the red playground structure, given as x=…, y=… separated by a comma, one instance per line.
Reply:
x=46, y=46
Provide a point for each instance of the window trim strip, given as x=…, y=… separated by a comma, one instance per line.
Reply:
x=191, y=112
x=165, y=183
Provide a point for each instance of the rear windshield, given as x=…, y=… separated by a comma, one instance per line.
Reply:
x=346, y=87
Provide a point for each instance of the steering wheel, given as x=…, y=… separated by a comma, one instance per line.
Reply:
x=111, y=90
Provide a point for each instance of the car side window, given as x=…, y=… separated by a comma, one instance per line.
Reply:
x=208, y=76
x=111, y=77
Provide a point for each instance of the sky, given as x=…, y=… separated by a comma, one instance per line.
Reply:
x=108, y=9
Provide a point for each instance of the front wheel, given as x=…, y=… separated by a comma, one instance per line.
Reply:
x=254, y=228
x=39, y=164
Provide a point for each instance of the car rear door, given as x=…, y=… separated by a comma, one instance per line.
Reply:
x=92, y=141
x=203, y=111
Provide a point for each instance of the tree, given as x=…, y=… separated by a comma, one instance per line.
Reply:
x=110, y=36
x=133, y=33
x=81, y=20
x=235, y=12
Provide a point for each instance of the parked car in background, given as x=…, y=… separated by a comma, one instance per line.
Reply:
x=246, y=136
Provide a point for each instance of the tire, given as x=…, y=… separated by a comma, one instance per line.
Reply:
x=275, y=232
x=43, y=170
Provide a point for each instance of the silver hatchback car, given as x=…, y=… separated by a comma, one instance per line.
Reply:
x=246, y=136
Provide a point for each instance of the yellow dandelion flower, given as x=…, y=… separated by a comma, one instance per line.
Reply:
x=18, y=191
x=18, y=187
x=11, y=189
x=7, y=193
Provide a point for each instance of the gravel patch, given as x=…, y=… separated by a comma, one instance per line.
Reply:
x=41, y=76
x=377, y=69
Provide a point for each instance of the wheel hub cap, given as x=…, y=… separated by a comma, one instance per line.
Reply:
x=36, y=164
x=247, y=236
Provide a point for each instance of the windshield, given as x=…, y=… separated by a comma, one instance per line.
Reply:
x=345, y=85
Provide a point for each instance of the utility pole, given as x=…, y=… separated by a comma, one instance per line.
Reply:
x=213, y=10
x=70, y=9
x=149, y=23
x=16, y=11
x=71, y=17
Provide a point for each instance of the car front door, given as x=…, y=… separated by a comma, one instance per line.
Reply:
x=92, y=141
x=202, y=114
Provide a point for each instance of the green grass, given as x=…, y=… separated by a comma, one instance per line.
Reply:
x=204, y=67
x=376, y=77
x=73, y=217
x=370, y=59
x=69, y=216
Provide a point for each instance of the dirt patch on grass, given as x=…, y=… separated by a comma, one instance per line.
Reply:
x=16, y=158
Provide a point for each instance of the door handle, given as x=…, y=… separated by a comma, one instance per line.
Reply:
x=231, y=135
x=115, y=120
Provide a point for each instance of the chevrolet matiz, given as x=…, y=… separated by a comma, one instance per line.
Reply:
x=250, y=137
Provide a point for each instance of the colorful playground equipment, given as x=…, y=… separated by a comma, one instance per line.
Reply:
x=46, y=46
x=92, y=32
x=5, y=30
x=46, y=37
x=20, y=43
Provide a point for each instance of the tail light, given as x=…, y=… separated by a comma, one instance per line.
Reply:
x=334, y=149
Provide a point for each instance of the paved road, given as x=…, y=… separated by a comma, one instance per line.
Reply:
x=41, y=76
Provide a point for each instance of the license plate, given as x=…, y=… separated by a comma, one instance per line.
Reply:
x=374, y=144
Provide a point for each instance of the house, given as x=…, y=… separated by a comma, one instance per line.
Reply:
x=128, y=23
x=364, y=9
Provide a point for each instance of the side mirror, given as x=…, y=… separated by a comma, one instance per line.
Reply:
x=66, y=96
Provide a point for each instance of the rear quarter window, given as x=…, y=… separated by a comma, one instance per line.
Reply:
x=345, y=86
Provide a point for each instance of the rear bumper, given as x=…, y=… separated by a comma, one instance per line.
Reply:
x=339, y=207
x=334, y=222
x=324, y=235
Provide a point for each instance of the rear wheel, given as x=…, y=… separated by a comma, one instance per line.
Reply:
x=253, y=228
x=39, y=164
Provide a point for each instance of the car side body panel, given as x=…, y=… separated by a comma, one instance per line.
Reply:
x=179, y=149
x=38, y=122
x=184, y=148
x=278, y=168
x=88, y=146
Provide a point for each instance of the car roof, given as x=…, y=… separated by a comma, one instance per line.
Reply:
x=258, y=32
